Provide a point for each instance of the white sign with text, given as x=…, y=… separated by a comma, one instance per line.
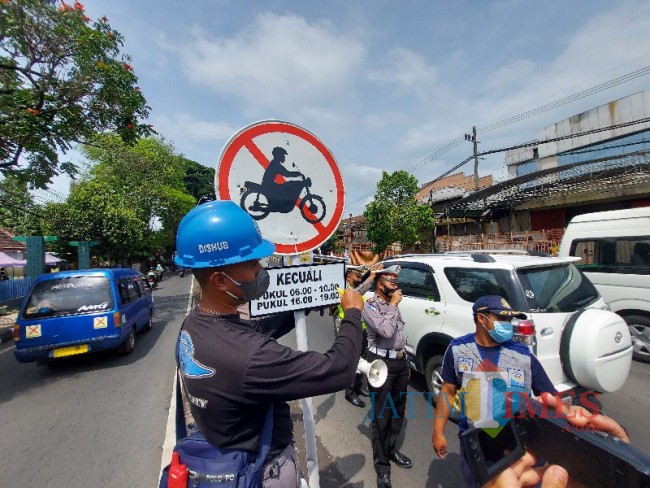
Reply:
x=300, y=288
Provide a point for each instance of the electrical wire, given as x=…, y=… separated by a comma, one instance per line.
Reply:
x=518, y=118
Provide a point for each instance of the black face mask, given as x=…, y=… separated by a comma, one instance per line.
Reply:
x=251, y=290
x=388, y=292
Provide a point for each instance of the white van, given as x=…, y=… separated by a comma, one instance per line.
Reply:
x=615, y=250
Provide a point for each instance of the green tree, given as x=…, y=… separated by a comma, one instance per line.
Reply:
x=148, y=177
x=18, y=212
x=395, y=215
x=96, y=211
x=63, y=79
x=199, y=181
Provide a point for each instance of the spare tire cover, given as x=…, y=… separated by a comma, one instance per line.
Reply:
x=597, y=350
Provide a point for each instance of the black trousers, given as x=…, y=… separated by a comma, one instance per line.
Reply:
x=388, y=407
x=359, y=378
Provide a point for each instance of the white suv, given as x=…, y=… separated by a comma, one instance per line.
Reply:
x=579, y=342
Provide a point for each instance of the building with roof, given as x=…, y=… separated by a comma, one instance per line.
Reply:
x=593, y=161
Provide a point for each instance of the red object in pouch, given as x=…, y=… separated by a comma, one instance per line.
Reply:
x=177, y=473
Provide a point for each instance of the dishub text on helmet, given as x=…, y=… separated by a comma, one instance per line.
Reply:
x=213, y=246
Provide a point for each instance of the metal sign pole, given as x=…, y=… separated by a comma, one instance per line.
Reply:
x=297, y=216
x=307, y=408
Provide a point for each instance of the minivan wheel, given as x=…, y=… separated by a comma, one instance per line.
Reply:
x=640, y=331
x=149, y=324
x=129, y=345
x=433, y=376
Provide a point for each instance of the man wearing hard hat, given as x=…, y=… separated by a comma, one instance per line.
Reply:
x=233, y=370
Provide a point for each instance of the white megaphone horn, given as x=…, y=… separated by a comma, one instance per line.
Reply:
x=377, y=371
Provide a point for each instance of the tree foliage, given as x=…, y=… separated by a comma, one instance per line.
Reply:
x=18, y=212
x=131, y=199
x=63, y=79
x=199, y=181
x=94, y=211
x=395, y=215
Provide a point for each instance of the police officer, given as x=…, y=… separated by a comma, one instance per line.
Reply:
x=233, y=369
x=360, y=278
x=386, y=341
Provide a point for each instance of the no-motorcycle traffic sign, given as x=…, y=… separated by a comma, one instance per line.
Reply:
x=287, y=180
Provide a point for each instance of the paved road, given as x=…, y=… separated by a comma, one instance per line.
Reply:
x=93, y=421
x=99, y=421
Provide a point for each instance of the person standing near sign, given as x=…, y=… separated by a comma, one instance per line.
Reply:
x=354, y=278
x=386, y=341
x=233, y=369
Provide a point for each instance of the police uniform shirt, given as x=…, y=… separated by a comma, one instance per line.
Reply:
x=233, y=369
x=385, y=324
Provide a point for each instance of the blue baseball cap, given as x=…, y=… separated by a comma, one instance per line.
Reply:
x=497, y=305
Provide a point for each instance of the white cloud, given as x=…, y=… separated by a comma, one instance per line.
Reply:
x=608, y=45
x=275, y=63
x=184, y=127
x=510, y=75
x=359, y=176
x=408, y=70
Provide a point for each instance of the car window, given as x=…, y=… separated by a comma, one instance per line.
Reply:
x=557, y=288
x=418, y=283
x=69, y=296
x=132, y=288
x=628, y=255
x=472, y=283
x=123, y=289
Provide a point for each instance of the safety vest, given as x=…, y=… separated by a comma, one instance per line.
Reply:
x=481, y=398
x=342, y=312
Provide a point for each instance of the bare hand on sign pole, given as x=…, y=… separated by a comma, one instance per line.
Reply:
x=351, y=299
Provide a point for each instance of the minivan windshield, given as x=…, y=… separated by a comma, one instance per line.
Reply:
x=554, y=289
x=69, y=296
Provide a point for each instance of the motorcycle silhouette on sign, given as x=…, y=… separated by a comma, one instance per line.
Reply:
x=275, y=194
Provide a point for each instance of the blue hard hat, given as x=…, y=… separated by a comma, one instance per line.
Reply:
x=219, y=233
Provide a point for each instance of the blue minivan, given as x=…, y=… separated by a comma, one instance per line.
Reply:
x=77, y=312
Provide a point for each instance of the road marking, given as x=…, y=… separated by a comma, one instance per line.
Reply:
x=9, y=348
x=170, y=433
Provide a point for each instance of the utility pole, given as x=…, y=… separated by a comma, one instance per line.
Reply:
x=472, y=137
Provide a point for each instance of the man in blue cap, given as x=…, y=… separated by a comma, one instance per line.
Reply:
x=489, y=351
x=490, y=354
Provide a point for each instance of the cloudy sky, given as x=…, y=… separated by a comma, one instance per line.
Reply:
x=384, y=84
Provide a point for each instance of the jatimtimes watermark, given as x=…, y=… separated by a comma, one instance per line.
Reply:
x=515, y=404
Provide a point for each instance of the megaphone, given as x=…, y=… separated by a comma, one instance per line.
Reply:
x=377, y=371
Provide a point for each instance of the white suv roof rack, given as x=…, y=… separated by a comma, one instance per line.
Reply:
x=519, y=252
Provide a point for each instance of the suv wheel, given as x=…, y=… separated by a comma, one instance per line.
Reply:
x=640, y=332
x=432, y=375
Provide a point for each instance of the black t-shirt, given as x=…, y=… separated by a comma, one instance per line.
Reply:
x=233, y=370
